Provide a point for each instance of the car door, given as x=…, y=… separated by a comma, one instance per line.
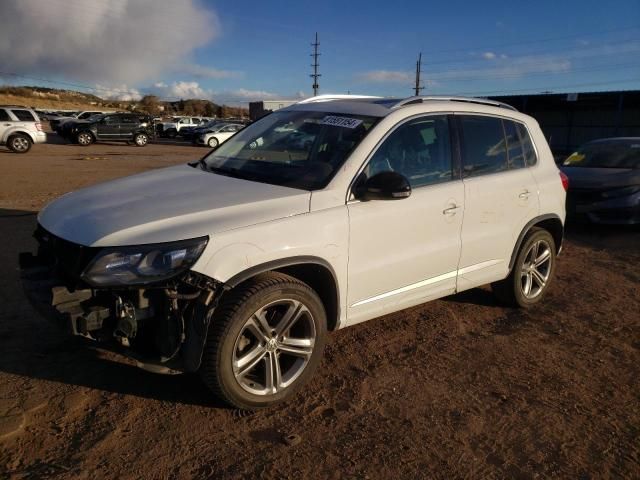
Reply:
x=501, y=196
x=128, y=125
x=109, y=127
x=405, y=252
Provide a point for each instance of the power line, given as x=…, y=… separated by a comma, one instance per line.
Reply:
x=315, y=75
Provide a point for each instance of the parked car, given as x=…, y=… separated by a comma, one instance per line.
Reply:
x=129, y=127
x=172, y=128
x=20, y=128
x=604, y=181
x=192, y=133
x=236, y=266
x=57, y=122
x=218, y=134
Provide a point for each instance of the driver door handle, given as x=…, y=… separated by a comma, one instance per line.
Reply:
x=524, y=194
x=450, y=210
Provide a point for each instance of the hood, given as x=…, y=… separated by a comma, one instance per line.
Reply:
x=601, y=178
x=165, y=205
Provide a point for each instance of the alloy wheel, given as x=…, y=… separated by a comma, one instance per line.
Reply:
x=536, y=269
x=20, y=144
x=273, y=347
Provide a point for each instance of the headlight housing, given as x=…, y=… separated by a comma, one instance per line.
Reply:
x=143, y=264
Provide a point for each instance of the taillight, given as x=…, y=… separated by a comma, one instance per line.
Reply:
x=565, y=181
x=38, y=126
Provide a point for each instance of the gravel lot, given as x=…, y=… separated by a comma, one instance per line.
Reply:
x=458, y=388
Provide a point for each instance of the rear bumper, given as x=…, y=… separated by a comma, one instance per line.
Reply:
x=40, y=137
x=616, y=211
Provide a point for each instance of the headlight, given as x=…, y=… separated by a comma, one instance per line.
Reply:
x=143, y=264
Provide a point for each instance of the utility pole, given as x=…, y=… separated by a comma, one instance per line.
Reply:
x=315, y=66
x=418, y=87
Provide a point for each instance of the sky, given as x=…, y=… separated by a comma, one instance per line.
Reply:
x=234, y=52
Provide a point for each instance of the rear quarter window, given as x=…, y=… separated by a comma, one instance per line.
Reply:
x=4, y=116
x=530, y=156
x=24, y=115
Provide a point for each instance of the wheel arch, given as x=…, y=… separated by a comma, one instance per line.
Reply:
x=550, y=222
x=314, y=271
x=17, y=131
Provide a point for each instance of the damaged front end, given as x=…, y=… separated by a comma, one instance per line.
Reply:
x=140, y=301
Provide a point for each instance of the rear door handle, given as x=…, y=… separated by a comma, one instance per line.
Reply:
x=450, y=210
x=524, y=195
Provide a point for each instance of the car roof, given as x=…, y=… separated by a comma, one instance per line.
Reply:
x=382, y=106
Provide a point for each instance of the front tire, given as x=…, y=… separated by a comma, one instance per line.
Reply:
x=213, y=142
x=265, y=340
x=19, y=143
x=84, y=138
x=532, y=271
x=140, y=139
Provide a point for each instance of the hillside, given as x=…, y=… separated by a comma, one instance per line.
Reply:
x=59, y=99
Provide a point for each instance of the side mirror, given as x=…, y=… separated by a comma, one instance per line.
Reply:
x=384, y=186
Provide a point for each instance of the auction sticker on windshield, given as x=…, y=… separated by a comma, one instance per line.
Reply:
x=345, y=122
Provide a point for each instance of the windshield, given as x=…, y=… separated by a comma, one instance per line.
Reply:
x=291, y=148
x=606, y=155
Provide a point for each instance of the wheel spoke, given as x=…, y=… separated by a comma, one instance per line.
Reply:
x=248, y=361
x=259, y=326
x=539, y=278
x=299, y=347
x=273, y=375
x=543, y=257
x=527, y=284
x=291, y=316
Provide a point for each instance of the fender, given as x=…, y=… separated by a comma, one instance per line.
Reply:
x=277, y=264
x=14, y=130
x=525, y=230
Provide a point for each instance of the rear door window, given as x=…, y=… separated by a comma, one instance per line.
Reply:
x=483, y=145
x=4, y=116
x=24, y=115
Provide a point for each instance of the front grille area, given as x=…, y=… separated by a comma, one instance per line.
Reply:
x=67, y=258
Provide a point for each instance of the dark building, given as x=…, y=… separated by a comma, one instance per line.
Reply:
x=260, y=109
x=570, y=119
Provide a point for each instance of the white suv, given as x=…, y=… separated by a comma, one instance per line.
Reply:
x=319, y=216
x=20, y=128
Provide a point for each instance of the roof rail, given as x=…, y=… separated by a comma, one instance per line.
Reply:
x=479, y=101
x=328, y=98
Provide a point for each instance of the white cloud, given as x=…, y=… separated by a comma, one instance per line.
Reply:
x=114, y=42
x=180, y=90
x=121, y=92
x=489, y=55
x=385, y=76
x=187, y=89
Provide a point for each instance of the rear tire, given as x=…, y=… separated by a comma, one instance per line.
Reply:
x=532, y=271
x=265, y=340
x=213, y=142
x=140, y=139
x=19, y=143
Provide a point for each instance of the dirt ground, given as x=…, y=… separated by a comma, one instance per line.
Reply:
x=458, y=388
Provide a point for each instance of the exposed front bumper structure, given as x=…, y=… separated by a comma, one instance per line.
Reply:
x=162, y=327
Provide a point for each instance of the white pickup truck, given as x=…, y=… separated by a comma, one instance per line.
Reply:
x=171, y=128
